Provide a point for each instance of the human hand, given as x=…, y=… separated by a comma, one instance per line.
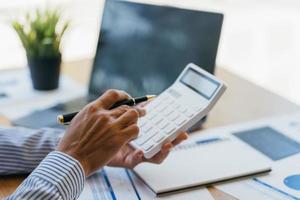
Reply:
x=97, y=134
x=129, y=157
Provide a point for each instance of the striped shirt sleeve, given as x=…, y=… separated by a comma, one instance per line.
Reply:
x=22, y=149
x=58, y=176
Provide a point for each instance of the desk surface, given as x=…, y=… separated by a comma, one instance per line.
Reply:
x=241, y=102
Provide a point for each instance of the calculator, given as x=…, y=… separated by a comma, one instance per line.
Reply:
x=179, y=107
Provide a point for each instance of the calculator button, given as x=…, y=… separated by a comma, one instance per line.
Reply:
x=190, y=113
x=163, y=124
x=150, y=105
x=156, y=105
x=151, y=115
x=140, y=141
x=169, y=129
x=197, y=109
x=141, y=123
x=148, y=145
x=152, y=132
x=168, y=111
x=146, y=128
x=180, y=120
x=159, y=137
x=162, y=107
x=164, y=96
x=170, y=101
x=145, y=137
x=157, y=120
x=149, y=108
x=174, y=116
x=182, y=109
x=176, y=105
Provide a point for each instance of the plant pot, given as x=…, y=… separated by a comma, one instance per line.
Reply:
x=44, y=72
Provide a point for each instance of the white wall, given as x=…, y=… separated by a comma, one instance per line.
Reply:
x=79, y=41
x=260, y=38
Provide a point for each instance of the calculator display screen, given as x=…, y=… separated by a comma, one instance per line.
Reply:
x=200, y=83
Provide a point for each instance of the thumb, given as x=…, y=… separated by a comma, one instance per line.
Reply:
x=135, y=158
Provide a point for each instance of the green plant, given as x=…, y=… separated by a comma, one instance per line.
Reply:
x=40, y=34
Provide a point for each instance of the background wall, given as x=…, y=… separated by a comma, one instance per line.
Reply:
x=260, y=39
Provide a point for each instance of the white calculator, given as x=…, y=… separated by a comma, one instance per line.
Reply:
x=178, y=108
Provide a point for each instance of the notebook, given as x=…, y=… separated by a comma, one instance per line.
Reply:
x=201, y=161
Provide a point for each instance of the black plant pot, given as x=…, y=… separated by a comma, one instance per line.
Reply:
x=44, y=72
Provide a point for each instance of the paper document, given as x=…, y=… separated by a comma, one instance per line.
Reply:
x=278, y=139
x=250, y=189
x=119, y=184
x=18, y=98
x=285, y=178
x=197, y=161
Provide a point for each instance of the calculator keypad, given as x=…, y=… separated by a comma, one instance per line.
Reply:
x=163, y=117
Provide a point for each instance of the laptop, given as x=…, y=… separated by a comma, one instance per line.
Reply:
x=141, y=49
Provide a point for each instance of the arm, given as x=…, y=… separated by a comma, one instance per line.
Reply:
x=92, y=140
x=59, y=176
x=21, y=149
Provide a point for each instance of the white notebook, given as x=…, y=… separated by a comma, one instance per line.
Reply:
x=203, y=161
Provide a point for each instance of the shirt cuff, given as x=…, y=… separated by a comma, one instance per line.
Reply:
x=64, y=172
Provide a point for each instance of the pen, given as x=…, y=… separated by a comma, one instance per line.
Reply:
x=67, y=118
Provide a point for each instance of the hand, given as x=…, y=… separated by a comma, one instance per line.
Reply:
x=129, y=157
x=97, y=134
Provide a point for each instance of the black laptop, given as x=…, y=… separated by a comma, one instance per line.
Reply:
x=142, y=48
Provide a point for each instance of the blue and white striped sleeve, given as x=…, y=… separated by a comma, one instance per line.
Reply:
x=58, y=176
x=22, y=149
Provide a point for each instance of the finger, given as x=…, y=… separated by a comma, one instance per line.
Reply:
x=167, y=147
x=143, y=104
x=128, y=118
x=110, y=97
x=117, y=112
x=158, y=158
x=141, y=111
x=129, y=133
x=180, y=138
x=161, y=155
x=93, y=124
x=135, y=159
x=138, y=155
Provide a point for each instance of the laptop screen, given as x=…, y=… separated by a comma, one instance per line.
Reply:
x=142, y=48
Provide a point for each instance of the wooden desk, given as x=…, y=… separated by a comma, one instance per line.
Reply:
x=242, y=101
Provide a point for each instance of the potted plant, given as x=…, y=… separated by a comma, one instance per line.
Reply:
x=41, y=38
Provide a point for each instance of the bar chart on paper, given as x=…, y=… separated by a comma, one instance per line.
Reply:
x=118, y=184
x=279, y=140
x=110, y=184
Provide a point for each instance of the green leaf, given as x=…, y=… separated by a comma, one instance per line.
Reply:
x=40, y=34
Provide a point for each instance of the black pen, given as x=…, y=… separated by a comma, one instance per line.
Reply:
x=67, y=118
